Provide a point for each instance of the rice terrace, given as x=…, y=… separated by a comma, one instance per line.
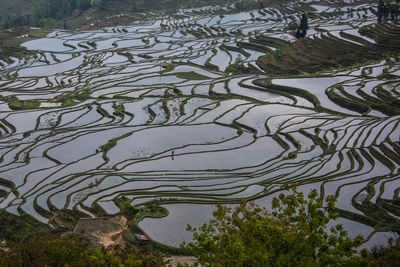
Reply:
x=176, y=112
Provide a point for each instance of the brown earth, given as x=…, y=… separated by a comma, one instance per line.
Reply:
x=113, y=238
x=307, y=55
x=105, y=232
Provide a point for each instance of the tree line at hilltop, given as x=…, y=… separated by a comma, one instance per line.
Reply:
x=51, y=13
x=58, y=13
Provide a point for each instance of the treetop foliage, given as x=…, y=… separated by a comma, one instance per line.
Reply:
x=303, y=27
x=71, y=250
x=293, y=234
x=388, y=10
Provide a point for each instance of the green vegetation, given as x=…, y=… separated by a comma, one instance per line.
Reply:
x=16, y=104
x=306, y=55
x=83, y=95
x=119, y=109
x=19, y=228
x=70, y=13
x=387, y=11
x=303, y=27
x=293, y=25
x=236, y=68
x=126, y=208
x=10, y=42
x=151, y=209
x=110, y=144
x=383, y=256
x=168, y=68
x=68, y=102
x=71, y=250
x=191, y=76
x=50, y=13
x=293, y=234
x=302, y=143
x=278, y=54
x=135, y=215
x=44, y=13
x=67, y=219
x=243, y=5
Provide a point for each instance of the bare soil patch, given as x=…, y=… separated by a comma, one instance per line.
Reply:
x=105, y=232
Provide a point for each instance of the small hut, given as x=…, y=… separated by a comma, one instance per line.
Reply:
x=141, y=239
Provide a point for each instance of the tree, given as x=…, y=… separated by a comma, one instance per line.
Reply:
x=133, y=5
x=43, y=10
x=303, y=27
x=103, y=4
x=72, y=250
x=393, y=11
x=83, y=4
x=385, y=12
x=383, y=256
x=237, y=68
x=304, y=22
x=293, y=234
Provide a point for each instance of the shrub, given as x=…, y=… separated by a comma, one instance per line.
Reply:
x=294, y=233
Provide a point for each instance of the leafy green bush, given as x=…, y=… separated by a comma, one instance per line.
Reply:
x=72, y=250
x=119, y=108
x=236, y=68
x=19, y=228
x=83, y=95
x=110, y=144
x=294, y=233
x=16, y=104
x=278, y=54
x=383, y=256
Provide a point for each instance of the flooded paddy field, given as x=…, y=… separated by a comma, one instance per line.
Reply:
x=148, y=112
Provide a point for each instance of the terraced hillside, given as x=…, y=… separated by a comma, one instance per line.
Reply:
x=328, y=49
x=148, y=112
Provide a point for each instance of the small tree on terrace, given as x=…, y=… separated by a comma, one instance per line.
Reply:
x=302, y=30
